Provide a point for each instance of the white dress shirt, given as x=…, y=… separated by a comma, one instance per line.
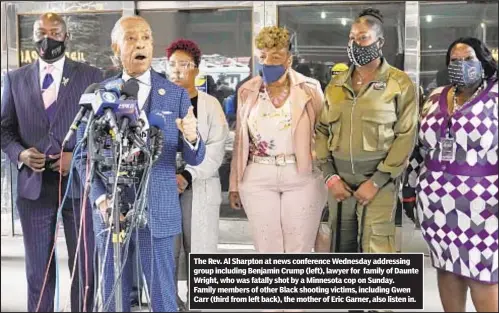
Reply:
x=56, y=72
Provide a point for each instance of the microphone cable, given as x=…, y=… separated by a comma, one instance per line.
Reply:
x=82, y=226
x=53, y=251
x=139, y=198
x=108, y=238
x=82, y=233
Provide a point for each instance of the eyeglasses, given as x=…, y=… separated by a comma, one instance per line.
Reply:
x=181, y=65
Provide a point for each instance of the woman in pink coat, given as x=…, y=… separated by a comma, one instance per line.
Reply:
x=272, y=173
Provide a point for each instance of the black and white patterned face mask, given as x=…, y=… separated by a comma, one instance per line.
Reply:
x=465, y=73
x=362, y=55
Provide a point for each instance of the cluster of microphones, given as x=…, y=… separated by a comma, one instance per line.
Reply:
x=114, y=105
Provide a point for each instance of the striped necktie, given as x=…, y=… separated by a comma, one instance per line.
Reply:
x=49, y=92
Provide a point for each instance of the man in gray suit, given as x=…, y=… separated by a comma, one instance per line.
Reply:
x=39, y=103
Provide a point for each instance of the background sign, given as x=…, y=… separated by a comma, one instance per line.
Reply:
x=90, y=40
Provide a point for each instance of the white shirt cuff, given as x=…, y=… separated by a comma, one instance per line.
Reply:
x=196, y=146
x=100, y=199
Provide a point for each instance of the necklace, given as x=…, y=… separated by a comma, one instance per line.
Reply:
x=359, y=82
x=456, y=106
x=278, y=99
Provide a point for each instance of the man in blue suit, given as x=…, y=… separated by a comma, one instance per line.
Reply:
x=132, y=43
x=39, y=103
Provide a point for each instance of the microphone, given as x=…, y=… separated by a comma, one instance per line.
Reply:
x=158, y=118
x=106, y=101
x=115, y=86
x=104, y=105
x=128, y=111
x=157, y=121
x=130, y=89
x=86, y=100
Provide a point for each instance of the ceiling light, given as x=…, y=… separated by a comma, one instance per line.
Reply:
x=429, y=18
x=482, y=24
x=430, y=46
x=323, y=15
x=344, y=21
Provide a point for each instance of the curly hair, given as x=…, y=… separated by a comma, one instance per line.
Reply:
x=273, y=37
x=187, y=46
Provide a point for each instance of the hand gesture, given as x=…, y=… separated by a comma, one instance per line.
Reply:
x=33, y=159
x=104, y=211
x=188, y=126
x=235, y=200
x=66, y=162
x=366, y=192
x=340, y=191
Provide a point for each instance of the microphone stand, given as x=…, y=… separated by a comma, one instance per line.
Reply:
x=117, y=252
x=118, y=206
x=121, y=181
x=105, y=164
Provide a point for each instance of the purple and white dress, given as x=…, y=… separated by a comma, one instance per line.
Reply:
x=457, y=196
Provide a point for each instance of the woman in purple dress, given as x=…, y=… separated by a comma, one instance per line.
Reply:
x=454, y=176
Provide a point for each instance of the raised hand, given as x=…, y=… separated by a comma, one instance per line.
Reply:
x=189, y=126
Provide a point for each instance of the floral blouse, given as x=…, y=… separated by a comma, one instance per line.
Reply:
x=270, y=128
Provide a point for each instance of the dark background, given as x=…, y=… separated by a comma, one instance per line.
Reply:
x=90, y=35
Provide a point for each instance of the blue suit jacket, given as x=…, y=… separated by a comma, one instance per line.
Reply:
x=25, y=124
x=164, y=213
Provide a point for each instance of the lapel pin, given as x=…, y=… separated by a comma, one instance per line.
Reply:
x=65, y=81
x=161, y=92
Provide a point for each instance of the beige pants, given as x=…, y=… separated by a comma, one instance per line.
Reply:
x=283, y=207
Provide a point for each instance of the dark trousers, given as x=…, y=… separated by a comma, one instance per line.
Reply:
x=183, y=240
x=136, y=293
x=38, y=225
x=158, y=266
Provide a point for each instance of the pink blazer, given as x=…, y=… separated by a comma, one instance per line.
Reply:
x=306, y=99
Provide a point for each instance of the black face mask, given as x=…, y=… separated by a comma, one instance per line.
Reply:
x=362, y=55
x=49, y=49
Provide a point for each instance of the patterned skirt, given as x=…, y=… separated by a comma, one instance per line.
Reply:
x=459, y=221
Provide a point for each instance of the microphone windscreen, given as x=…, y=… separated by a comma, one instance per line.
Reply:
x=92, y=88
x=130, y=89
x=158, y=118
x=88, y=96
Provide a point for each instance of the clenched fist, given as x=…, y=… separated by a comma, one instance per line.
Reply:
x=189, y=126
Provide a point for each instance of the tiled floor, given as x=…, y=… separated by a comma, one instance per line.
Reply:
x=235, y=236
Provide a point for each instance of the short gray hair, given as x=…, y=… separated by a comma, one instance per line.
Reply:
x=117, y=27
x=117, y=30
